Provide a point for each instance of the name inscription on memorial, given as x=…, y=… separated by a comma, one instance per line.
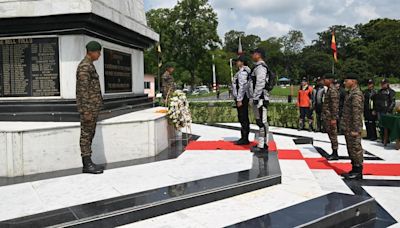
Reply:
x=117, y=71
x=29, y=67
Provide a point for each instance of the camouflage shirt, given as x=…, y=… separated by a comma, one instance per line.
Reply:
x=353, y=109
x=88, y=91
x=167, y=84
x=330, y=107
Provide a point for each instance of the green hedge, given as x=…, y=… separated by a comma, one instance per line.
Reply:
x=279, y=114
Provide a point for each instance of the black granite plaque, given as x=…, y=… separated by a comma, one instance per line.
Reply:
x=117, y=71
x=29, y=67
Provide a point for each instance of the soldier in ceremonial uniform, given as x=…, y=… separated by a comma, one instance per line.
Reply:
x=167, y=81
x=352, y=126
x=240, y=89
x=260, y=97
x=330, y=116
x=89, y=102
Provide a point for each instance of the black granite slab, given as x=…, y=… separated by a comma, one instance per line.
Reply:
x=332, y=210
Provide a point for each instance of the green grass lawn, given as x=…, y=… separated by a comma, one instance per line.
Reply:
x=284, y=92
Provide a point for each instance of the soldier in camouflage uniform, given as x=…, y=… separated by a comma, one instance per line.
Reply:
x=352, y=126
x=89, y=102
x=167, y=82
x=330, y=116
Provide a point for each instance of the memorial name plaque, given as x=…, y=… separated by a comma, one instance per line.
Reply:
x=117, y=71
x=29, y=67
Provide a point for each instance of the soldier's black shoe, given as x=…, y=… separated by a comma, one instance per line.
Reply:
x=242, y=142
x=90, y=167
x=333, y=157
x=354, y=174
x=258, y=150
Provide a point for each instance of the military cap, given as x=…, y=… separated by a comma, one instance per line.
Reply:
x=242, y=59
x=370, y=81
x=170, y=65
x=259, y=51
x=304, y=79
x=351, y=76
x=336, y=81
x=93, y=46
x=384, y=81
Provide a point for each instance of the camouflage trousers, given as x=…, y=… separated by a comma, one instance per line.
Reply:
x=354, y=148
x=332, y=133
x=88, y=130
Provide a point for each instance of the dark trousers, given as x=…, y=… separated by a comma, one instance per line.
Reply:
x=370, y=125
x=305, y=112
x=243, y=116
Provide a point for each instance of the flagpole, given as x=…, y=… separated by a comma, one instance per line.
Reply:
x=333, y=66
x=158, y=70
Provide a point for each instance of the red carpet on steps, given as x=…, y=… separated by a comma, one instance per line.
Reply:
x=313, y=163
x=369, y=168
x=290, y=155
x=223, y=145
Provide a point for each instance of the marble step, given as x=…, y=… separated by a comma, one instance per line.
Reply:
x=331, y=210
x=145, y=191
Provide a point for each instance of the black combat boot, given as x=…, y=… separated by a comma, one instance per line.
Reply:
x=90, y=167
x=334, y=156
x=301, y=125
x=355, y=173
x=244, y=140
x=258, y=150
x=311, y=126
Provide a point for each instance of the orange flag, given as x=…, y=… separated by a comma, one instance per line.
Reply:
x=333, y=47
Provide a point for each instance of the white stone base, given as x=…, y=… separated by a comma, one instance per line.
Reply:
x=37, y=147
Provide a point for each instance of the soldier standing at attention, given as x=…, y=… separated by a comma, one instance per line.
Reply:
x=352, y=126
x=260, y=97
x=167, y=82
x=330, y=115
x=89, y=102
x=369, y=114
x=240, y=89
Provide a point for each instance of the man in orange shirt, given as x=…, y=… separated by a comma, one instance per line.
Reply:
x=304, y=102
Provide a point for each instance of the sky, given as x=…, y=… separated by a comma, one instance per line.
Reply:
x=268, y=18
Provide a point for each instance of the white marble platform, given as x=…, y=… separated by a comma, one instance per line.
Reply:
x=46, y=195
x=35, y=147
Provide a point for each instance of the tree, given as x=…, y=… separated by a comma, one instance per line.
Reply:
x=292, y=43
x=316, y=64
x=357, y=66
x=275, y=58
x=232, y=40
x=249, y=42
x=159, y=20
x=195, y=24
x=343, y=34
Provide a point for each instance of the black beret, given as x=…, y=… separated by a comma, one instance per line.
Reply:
x=169, y=65
x=370, y=81
x=352, y=76
x=93, y=46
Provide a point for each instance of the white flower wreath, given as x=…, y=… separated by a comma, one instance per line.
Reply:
x=178, y=110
